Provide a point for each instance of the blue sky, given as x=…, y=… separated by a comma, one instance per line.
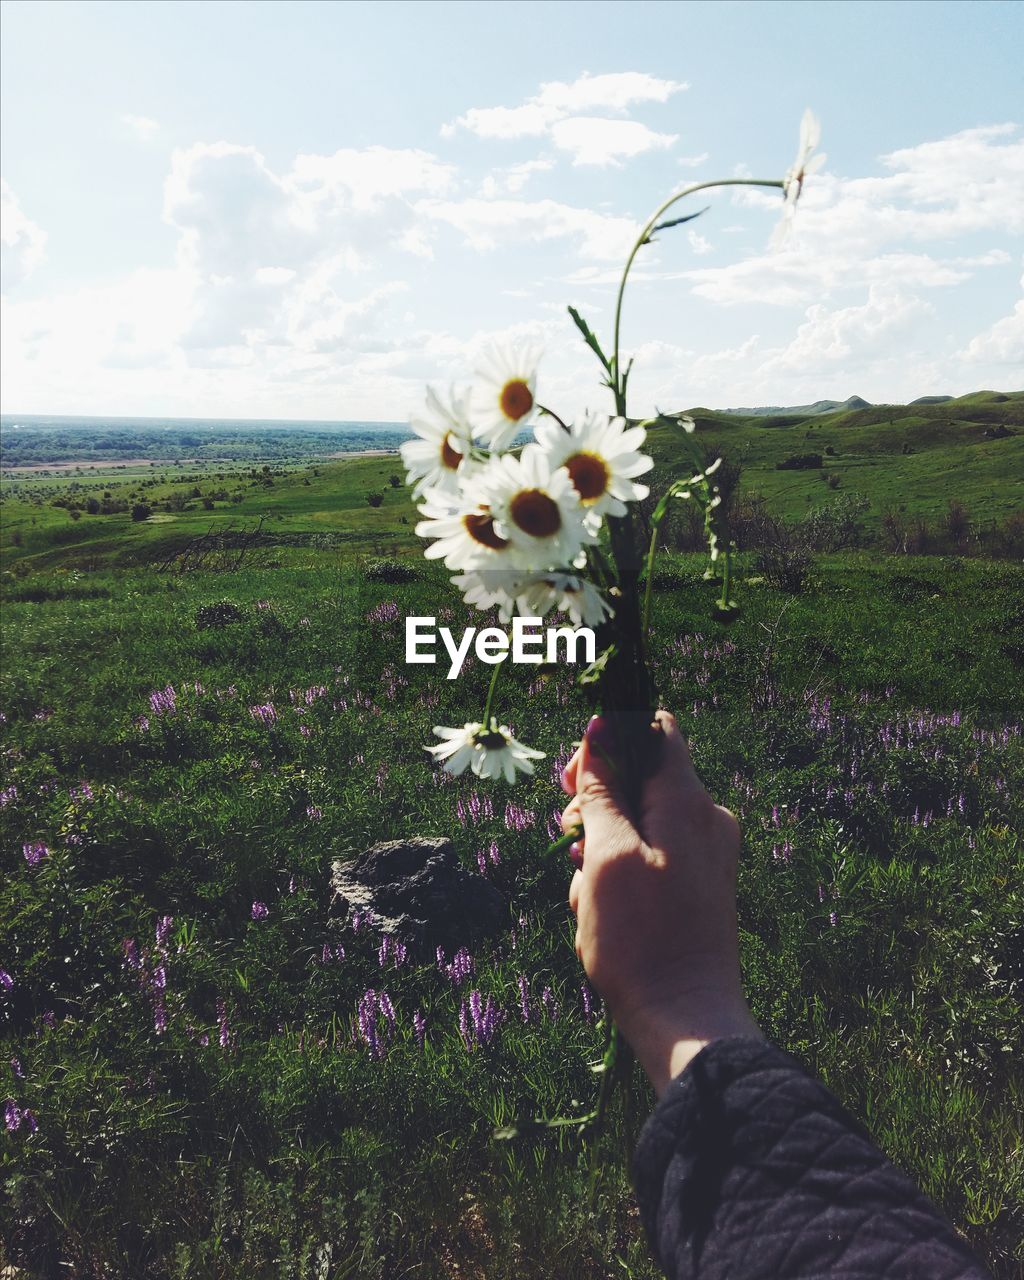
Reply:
x=310, y=210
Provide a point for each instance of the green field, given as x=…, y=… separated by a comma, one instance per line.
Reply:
x=233, y=1120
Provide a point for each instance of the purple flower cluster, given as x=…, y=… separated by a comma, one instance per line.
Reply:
x=330, y=954
x=163, y=702
x=474, y=808
x=489, y=857
x=34, y=852
x=391, y=949
x=517, y=818
x=479, y=1020
x=265, y=713
x=386, y=611
x=8, y=795
x=15, y=1117
x=460, y=967
x=375, y=1018
x=260, y=911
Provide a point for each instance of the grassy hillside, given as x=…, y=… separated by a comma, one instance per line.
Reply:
x=910, y=459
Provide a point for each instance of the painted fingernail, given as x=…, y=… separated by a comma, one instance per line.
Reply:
x=600, y=735
x=576, y=853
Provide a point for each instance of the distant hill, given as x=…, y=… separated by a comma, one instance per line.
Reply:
x=803, y=410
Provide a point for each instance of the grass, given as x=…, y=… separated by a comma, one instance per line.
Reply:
x=867, y=732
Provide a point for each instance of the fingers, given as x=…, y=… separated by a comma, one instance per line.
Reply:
x=571, y=816
x=603, y=812
x=574, y=891
x=675, y=775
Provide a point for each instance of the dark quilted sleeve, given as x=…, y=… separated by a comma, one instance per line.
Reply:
x=749, y=1169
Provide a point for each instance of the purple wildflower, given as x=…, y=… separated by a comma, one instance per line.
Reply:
x=12, y=1116
x=8, y=796
x=34, y=852
x=163, y=928
x=550, y=1003
x=419, y=1027
x=17, y=1068
x=222, y=1025
x=6, y=981
x=260, y=911
x=524, y=997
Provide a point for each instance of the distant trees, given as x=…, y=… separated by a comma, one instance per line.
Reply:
x=141, y=511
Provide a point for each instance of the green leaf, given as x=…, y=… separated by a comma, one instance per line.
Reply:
x=589, y=338
x=675, y=222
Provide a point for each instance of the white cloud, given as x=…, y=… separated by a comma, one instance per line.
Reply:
x=1002, y=343
x=856, y=230
x=22, y=242
x=488, y=223
x=142, y=127
x=693, y=162
x=564, y=113
x=848, y=335
x=592, y=140
x=557, y=100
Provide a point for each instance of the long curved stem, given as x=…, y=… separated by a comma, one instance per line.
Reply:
x=652, y=221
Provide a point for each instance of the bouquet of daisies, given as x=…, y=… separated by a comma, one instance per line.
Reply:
x=550, y=525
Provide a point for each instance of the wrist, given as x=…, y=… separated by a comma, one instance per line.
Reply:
x=665, y=1040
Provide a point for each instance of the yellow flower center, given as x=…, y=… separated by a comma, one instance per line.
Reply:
x=516, y=399
x=450, y=457
x=481, y=529
x=589, y=474
x=535, y=513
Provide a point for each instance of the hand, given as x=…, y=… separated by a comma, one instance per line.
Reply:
x=654, y=895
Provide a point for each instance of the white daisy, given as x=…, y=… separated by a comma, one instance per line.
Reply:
x=603, y=460
x=503, y=402
x=485, y=588
x=465, y=535
x=491, y=753
x=536, y=508
x=445, y=437
x=793, y=183
x=566, y=593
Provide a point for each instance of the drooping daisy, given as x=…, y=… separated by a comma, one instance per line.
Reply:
x=793, y=183
x=485, y=588
x=489, y=753
x=503, y=400
x=536, y=508
x=603, y=460
x=445, y=437
x=566, y=593
x=466, y=536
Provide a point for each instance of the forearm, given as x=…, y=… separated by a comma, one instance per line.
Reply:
x=749, y=1169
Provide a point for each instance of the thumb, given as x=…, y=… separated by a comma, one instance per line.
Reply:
x=606, y=821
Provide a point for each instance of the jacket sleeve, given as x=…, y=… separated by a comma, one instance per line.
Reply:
x=749, y=1169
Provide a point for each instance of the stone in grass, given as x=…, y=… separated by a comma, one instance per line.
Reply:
x=417, y=890
x=221, y=614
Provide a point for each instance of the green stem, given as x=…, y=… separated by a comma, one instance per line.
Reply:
x=652, y=221
x=490, y=695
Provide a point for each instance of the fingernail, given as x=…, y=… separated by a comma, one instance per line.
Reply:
x=576, y=853
x=600, y=735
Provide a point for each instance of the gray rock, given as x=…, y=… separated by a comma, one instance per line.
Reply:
x=417, y=890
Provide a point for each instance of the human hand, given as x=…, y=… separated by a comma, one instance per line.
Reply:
x=654, y=895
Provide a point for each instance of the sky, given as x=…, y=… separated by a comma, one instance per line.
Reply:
x=312, y=210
